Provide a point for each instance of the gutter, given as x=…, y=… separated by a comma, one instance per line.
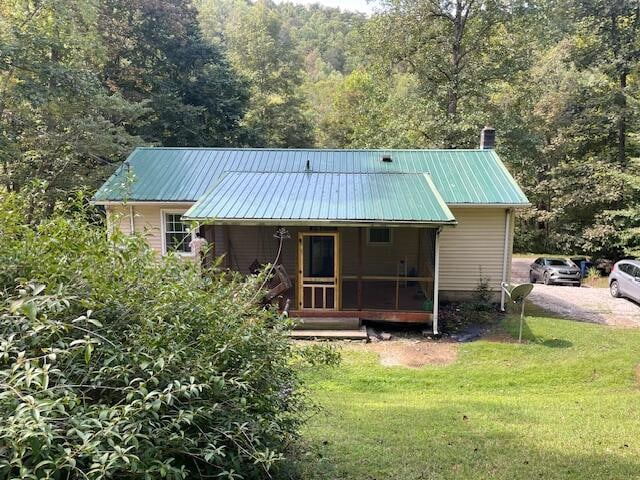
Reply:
x=505, y=256
x=318, y=222
x=489, y=205
x=141, y=202
x=436, y=282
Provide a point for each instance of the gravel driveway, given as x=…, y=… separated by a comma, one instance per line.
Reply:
x=587, y=304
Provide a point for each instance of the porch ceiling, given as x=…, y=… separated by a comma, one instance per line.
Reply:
x=322, y=198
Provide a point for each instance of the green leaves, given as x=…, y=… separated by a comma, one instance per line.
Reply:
x=108, y=370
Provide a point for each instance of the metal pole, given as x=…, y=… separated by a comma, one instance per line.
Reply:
x=521, y=322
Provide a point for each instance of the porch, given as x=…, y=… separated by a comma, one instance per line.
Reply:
x=374, y=273
x=361, y=244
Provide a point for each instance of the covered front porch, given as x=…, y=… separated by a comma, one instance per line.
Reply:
x=354, y=245
x=374, y=273
x=379, y=273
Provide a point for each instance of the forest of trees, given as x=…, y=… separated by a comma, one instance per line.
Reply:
x=82, y=82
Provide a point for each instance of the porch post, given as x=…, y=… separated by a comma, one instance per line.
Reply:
x=227, y=238
x=436, y=282
x=505, y=256
x=359, y=268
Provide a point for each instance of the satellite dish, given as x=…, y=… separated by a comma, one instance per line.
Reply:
x=518, y=294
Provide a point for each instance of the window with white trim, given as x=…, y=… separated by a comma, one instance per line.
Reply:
x=379, y=236
x=177, y=236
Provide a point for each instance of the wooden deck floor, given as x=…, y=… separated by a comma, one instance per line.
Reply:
x=370, y=315
x=351, y=334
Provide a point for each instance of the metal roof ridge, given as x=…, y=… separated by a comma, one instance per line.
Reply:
x=276, y=149
x=324, y=172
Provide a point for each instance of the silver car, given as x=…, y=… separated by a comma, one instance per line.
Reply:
x=554, y=270
x=624, y=280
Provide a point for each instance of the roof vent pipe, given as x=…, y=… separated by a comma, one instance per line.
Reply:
x=488, y=138
x=308, y=166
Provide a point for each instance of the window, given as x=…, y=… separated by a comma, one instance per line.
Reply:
x=558, y=262
x=379, y=236
x=177, y=236
x=630, y=269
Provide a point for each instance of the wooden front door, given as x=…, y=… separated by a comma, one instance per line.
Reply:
x=318, y=271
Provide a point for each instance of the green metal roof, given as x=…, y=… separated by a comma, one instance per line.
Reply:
x=185, y=174
x=347, y=198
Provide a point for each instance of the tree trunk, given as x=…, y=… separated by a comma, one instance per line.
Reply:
x=456, y=58
x=622, y=122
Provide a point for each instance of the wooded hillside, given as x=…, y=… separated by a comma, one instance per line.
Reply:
x=83, y=82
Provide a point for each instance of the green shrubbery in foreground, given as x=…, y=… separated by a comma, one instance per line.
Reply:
x=115, y=363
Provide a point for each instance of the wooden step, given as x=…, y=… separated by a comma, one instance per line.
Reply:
x=327, y=323
x=358, y=334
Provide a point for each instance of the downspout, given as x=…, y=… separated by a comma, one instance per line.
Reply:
x=436, y=281
x=131, y=223
x=505, y=257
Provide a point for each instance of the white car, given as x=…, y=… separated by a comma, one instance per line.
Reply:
x=624, y=280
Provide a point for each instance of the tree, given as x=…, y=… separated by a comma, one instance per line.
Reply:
x=157, y=55
x=609, y=41
x=57, y=123
x=447, y=46
x=261, y=51
x=119, y=363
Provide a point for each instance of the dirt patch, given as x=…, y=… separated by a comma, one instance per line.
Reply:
x=412, y=354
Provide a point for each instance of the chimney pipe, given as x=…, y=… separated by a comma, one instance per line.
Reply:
x=488, y=138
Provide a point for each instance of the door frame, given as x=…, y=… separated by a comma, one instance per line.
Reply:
x=337, y=274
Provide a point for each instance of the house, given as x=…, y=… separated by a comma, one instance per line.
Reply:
x=369, y=234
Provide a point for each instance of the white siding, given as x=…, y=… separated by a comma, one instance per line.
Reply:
x=475, y=245
x=118, y=216
x=473, y=248
x=146, y=220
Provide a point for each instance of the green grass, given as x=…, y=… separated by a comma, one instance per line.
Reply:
x=564, y=405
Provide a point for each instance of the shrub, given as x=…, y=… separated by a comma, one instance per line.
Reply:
x=593, y=274
x=117, y=363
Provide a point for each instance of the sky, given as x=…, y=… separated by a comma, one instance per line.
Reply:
x=353, y=5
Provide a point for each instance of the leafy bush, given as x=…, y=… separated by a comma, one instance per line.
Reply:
x=481, y=307
x=479, y=310
x=116, y=363
x=593, y=274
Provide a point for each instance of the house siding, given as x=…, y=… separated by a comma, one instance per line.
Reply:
x=473, y=249
x=147, y=220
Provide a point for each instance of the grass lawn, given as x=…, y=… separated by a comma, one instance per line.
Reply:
x=564, y=405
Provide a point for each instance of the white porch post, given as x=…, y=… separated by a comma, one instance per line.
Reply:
x=132, y=225
x=505, y=258
x=436, y=281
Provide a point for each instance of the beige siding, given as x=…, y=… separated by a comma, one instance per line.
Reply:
x=512, y=223
x=475, y=245
x=473, y=248
x=146, y=220
x=119, y=217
